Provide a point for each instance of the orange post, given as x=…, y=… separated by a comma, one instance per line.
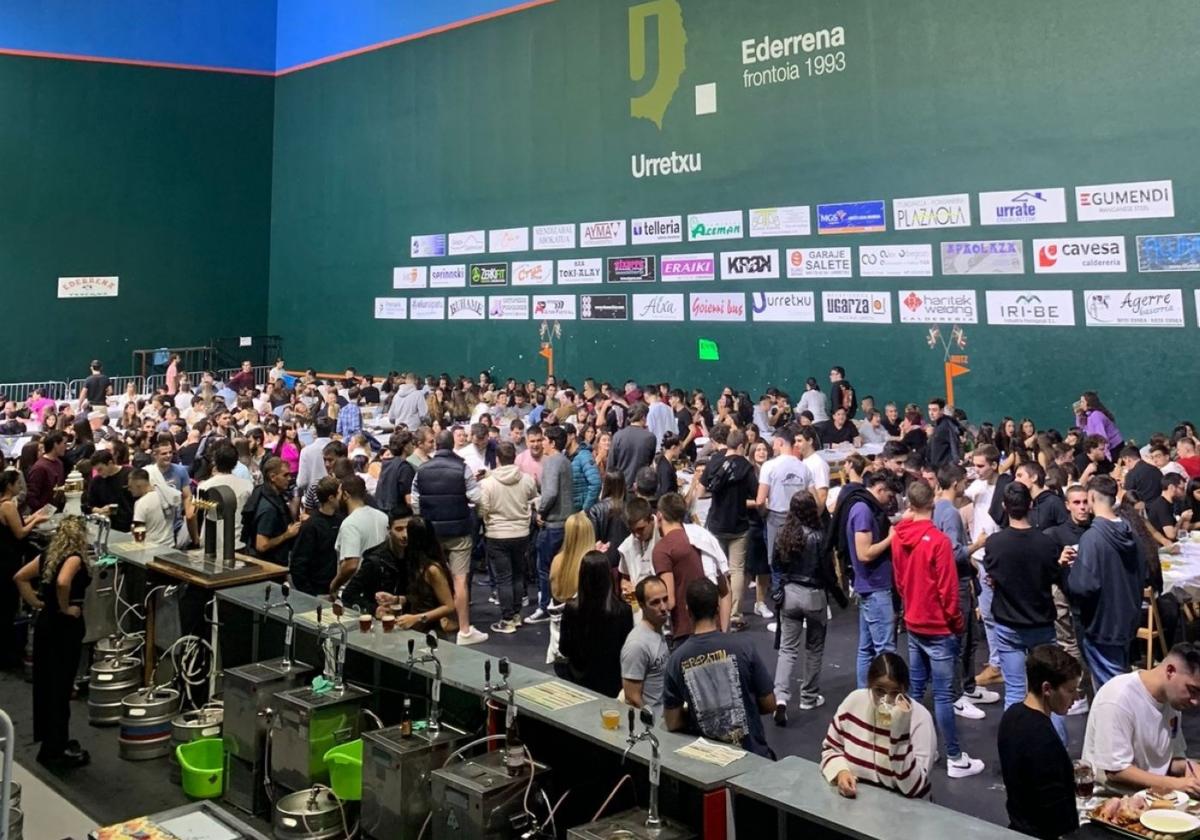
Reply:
x=547, y=353
x=955, y=366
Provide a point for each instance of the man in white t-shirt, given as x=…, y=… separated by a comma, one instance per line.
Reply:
x=637, y=549
x=780, y=478
x=1134, y=736
x=986, y=460
x=225, y=459
x=149, y=510
x=807, y=449
x=363, y=528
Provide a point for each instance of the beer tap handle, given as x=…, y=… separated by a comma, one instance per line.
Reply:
x=632, y=719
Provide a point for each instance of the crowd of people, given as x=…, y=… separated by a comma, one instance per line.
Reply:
x=648, y=527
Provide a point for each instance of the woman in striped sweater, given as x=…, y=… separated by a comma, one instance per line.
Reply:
x=880, y=736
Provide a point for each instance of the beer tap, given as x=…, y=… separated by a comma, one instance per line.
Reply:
x=435, y=690
x=339, y=654
x=513, y=753
x=653, y=822
x=289, y=638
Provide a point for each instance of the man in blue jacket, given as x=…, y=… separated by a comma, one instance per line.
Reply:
x=1107, y=575
x=585, y=475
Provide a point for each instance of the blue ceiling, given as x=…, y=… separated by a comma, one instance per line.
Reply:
x=264, y=36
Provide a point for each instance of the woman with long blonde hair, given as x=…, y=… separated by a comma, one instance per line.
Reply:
x=61, y=577
x=579, y=537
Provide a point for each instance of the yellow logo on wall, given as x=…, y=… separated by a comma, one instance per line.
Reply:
x=672, y=39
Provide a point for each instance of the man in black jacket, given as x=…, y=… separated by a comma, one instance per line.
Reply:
x=382, y=568
x=943, y=447
x=397, y=474
x=1067, y=536
x=314, y=555
x=733, y=486
x=1048, y=509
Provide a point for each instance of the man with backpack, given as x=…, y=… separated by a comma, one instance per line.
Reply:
x=267, y=526
x=841, y=393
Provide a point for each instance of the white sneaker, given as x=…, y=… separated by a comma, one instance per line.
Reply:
x=762, y=610
x=538, y=616
x=471, y=637
x=752, y=584
x=772, y=627
x=963, y=766
x=964, y=708
x=809, y=705
x=982, y=695
x=1079, y=707
x=494, y=599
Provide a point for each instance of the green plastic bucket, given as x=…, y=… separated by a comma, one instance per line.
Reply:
x=202, y=767
x=345, y=770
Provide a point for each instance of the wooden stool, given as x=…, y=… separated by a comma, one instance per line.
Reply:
x=1152, y=631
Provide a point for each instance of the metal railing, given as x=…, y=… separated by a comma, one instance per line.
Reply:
x=20, y=391
x=118, y=384
x=190, y=358
x=260, y=373
x=159, y=380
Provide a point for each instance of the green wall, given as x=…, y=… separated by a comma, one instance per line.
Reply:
x=160, y=177
x=526, y=120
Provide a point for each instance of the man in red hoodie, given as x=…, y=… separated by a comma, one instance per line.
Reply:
x=927, y=580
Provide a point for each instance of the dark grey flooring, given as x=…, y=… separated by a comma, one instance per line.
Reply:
x=111, y=789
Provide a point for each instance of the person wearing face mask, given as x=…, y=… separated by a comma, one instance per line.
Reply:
x=879, y=736
x=1134, y=736
x=1039, y=779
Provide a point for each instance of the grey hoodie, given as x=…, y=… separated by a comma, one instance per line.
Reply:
x=505, y=502
x=408, y=407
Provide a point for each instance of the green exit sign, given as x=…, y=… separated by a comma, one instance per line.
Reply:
x=707, y=351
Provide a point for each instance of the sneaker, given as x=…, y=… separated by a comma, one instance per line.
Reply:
x=963, y=766
x=538, y=616
x=964, y=708
x=471, y=637
x=752, y=584
x=762, y=610
x=815, y=703
x=780, y=715
x=982, y=696
x=990, y=675
x=505, y=627
x=1079, y=707
x=494, y=599
x=772, y=627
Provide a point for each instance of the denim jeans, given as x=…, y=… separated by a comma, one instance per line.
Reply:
x=549, y=542
x=989, y=624
x=1104, y=661
x=964, y=673
x=506, y=557
x=935, y=658
x=803, y=616
x=1014, y=644
x=876, y=630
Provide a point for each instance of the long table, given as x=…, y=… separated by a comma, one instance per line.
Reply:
x=766, y=797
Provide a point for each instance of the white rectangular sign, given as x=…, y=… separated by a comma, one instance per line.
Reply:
x=467, y=242
x=447, y=276
x=427, y=309
x=687, y=268
x=508, y=240
x=430, y=245
x=1041, y=206
x=658, y=307
x=1116, y=202
x=554, y=237
x=508, y=308
x=895, y=260
x=656, y=229
x=750, y=265
x=554, y=307
x=466, y=308
x=726, y=224
x=856, y=307
x=819, y=262
x=578, y=272
x=409, y=277
x=940, y=306
x=602, y=234
x=1079, y=255
x=718, y=306
x=787, y=307
x=536, y=273
x=88, y=287
x=1133, y=308
x=1036, y=308
x=781, y=221
x=990, y=256
x=932, y=212
x=391, y=309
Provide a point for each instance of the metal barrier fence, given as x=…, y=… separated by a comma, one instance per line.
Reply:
x=260, y=373
x=19, y=391
x=159, y=380
x=118, y=384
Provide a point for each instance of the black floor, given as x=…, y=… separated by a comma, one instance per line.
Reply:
x=111, y=789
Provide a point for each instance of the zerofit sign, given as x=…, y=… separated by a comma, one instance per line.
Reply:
x=1140, y=200
x=1079, y=255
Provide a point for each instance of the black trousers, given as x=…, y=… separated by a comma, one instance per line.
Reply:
x=57, y=643
x=506, y=557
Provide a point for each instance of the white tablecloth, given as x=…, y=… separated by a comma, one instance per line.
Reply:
x=1184, y=571
x=841, y=453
